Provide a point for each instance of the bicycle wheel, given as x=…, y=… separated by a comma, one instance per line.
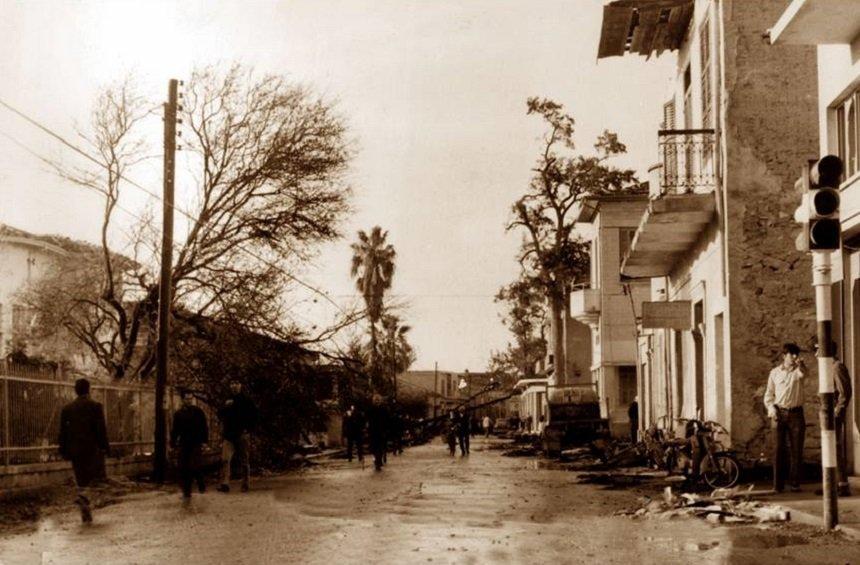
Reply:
x=724, y=472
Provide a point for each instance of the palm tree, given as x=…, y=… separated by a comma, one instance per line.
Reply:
x=373, y=270
x=399, y=354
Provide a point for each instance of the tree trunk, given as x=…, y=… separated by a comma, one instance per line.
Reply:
x=556, y=306
x=374, y=361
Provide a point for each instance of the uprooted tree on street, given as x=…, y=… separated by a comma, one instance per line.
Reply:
x=552, y=254
x=267, y=160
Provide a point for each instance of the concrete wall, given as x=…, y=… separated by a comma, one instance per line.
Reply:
x=578, y=352
x=770, y=129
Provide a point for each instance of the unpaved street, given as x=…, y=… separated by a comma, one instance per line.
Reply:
x=425, y=507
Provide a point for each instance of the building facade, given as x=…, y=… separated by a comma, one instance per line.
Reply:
x=610, y=303
x=834, y=27
x=716, y=240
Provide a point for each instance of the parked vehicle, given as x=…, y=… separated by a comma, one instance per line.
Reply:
x=575, y=421
x=718, y=467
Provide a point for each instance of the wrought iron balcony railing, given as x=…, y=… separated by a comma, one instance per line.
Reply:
x=687, y=159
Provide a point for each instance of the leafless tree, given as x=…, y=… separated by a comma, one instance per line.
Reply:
x=268, y=160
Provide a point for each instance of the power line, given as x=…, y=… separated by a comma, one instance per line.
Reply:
x=158, y=197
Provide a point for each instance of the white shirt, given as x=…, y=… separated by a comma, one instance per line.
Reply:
x=784, y=387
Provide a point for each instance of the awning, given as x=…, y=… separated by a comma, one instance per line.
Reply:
x=817, y=22
x=643, y=26
x=525, y=383
x=667, y=231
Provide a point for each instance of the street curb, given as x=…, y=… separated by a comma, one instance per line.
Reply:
x=809, y=519
x=321, y=454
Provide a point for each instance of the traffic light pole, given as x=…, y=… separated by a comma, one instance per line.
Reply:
x=821, y=280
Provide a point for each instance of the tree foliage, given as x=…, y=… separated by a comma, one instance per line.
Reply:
x=524, y=317
x=552, y=254
x=267, y=160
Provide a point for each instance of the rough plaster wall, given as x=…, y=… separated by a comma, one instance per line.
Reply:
x=578, y=354
x=771, y=129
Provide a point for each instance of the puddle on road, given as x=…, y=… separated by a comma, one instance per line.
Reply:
x=762, y=540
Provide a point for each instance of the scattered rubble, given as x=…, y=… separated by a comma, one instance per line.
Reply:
x=723, y=506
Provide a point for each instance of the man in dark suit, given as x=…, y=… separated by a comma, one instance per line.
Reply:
x=83, y=441
x=238, y=419
x=188, y=434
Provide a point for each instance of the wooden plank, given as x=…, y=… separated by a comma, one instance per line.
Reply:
x=643, y=36
x=613, y=35
x=679, y=20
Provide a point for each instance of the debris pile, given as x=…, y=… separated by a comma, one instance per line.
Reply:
x=730, y=506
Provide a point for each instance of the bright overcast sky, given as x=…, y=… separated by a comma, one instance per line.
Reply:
x=434, y=94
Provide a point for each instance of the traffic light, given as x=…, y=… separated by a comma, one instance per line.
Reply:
x=819, y=207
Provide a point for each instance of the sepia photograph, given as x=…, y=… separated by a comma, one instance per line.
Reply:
x=429, y=282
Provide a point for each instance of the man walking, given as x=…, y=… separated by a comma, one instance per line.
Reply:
x=783, y=400
x=83, y=441
x=353, y=432
x=463, y=431
x=188, y=435
x=377, y=430
x=486, y=422
x=238, y=419
x=633, y=416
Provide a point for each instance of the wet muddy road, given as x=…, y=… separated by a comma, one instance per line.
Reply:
x=424, y=507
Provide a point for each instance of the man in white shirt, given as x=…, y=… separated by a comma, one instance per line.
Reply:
x=783, y=400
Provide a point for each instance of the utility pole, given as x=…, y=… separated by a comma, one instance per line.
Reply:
x=164, y=295
x=435, y=388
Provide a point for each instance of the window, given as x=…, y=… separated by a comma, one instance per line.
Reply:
x=705, y=52
x=669, y=115
x=848, y=132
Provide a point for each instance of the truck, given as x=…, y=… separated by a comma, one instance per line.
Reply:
x=574, y=419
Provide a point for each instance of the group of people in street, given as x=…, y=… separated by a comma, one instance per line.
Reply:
x=384, y=427
x=458, y=429
x=784, y=401
x=83, y=440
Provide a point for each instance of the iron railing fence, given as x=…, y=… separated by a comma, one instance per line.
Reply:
x=30, y=418
x=687, y=157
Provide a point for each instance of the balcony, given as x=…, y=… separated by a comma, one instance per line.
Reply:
x=686, y=163
x=585, y=305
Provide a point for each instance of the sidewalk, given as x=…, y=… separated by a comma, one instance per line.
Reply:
x=808, y=508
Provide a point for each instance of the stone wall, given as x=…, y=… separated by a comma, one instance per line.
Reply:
x=771, y=129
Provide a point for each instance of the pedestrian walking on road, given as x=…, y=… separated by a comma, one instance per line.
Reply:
x=486, y=422
x=188, y=435
x=378, y=422
x=238, y=419
x=842, y=396
x=783, y=400
x=451, y=432
x=464, y=425
x=83, y=441
x=353, y=432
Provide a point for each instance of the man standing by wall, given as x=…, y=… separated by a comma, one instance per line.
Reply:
x=783, y=400
x=188, y=434
x=83, y=441
x=238, y=419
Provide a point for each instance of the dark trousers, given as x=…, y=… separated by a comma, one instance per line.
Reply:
x=191, y=470
x=377, y=447
x=464, y=443
x=356, y=443
x=788, y=446
x=841, y=452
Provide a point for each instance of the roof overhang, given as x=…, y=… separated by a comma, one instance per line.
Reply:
x=525, y=383
x=643, y=26
x=817, y=22
x=668, y=229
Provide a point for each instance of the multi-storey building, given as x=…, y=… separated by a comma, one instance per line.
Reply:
x=610, y=303
x=834, y=26
x=716, y=239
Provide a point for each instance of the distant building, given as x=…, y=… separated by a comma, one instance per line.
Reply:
x=834, y=26
x=439, y=388
x=608, y=303
x=716, y=239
